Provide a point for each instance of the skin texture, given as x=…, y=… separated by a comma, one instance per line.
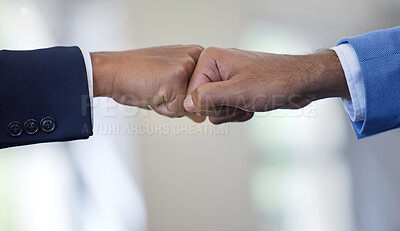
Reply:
x=229, y=85
x=151, y=78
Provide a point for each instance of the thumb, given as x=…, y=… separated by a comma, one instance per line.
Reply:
x=209, y=96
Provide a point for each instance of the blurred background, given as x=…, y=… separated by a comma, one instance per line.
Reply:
x=281, y=171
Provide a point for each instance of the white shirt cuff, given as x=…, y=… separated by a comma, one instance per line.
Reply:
x=89, y=74
x=355, y=107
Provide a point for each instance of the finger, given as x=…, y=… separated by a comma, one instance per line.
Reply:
x=189, y=64
x=228, y=117
x=245, y=117
x=194, y=51
x=238, y=117
x=148, y=108
x=174, y=109
x=206, y=71
x=202, y=74
x=176, y=105
x=171, y=107
x=162, y=109
x=219, y=111
x=196, y=118
x=208, y=96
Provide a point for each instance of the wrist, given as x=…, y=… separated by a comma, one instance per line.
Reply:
x=102, y=74
x=327, y=77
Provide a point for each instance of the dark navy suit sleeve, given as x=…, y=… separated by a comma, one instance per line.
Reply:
x=379, y=56
x=43, y=96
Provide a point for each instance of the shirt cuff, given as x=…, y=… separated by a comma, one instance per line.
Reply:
x=89, y=74
x=355, y=107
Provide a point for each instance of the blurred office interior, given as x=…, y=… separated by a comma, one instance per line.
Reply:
x=282, y=171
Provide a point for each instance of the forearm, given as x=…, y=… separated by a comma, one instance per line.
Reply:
x=326, y=77
x=103, y=73
x=257, y=81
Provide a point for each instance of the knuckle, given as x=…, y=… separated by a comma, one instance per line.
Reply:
x=180, y=72
x=176, y=109
x=198, y=96
x=202, y=98
x=189, y=61
x=176, y=84
x=197, y=48
x=211, y=50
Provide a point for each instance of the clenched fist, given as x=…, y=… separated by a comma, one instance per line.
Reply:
x=230, y=85
x=155, y=78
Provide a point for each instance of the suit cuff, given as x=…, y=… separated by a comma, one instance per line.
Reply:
x=46, y=100
x=89, y=75
x=356, y=106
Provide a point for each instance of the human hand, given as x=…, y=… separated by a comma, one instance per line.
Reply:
x=155, y=78
x=230, y=85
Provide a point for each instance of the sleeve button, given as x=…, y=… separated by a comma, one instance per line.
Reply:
x=48, y=124
x=15, y=129
x=31, y=127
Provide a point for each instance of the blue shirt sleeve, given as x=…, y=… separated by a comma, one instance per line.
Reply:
x=378, y=53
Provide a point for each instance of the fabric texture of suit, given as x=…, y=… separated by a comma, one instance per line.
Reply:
x=43, y=87
x=379, y=56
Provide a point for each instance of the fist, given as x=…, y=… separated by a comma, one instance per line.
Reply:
x=229, y=85
x=152, y=78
